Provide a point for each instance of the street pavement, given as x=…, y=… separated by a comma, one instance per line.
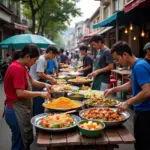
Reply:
x=5, y=133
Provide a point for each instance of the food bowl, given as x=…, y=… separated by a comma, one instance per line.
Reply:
x=76, y=96
x=90, y=132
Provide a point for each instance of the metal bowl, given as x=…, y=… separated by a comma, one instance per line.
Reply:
x=63, y=109
x=125, y=115
x=35, y=121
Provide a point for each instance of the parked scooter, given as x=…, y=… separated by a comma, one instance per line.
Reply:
x=3, y=68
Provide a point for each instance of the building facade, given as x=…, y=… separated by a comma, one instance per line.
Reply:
x=10, y=22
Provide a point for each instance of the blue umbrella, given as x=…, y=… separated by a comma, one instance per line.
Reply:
x=19, y=41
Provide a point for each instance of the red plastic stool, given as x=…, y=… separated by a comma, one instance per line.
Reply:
x=113, y=82
x=112, y=76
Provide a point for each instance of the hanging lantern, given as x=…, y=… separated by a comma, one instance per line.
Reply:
x=142, y=33
x=126, y=31
x=131, y=27
x=134, y=38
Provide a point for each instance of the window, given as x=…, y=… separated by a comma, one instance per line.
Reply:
x=116, y=5
x=105, y=12
x=127, y=1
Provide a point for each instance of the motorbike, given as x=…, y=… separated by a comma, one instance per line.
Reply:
x=3, y=68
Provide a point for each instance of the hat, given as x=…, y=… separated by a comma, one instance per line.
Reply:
x=52, y=49
x=147, y=46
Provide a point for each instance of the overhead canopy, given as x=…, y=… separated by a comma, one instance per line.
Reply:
x=105, y=30
x=19, y=41
x=136, y=16
x=110, y=21
x=136, y=4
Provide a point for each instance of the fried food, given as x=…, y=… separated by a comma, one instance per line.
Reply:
x=62, y=87
x=106, y=114
x=80, y=80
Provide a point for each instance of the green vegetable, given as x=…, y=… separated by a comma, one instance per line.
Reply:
x=56, y=126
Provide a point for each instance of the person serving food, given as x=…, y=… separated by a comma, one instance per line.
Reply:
x=18, y=90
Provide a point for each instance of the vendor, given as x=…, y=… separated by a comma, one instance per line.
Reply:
x=87, y=67
x=38, y=72
x=18, y=91
x=103, y=64
x=140, y=85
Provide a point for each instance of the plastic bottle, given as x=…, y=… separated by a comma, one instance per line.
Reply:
x=119, y=93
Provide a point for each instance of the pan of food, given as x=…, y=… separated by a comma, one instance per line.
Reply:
x=109, y=116
x=55, y=122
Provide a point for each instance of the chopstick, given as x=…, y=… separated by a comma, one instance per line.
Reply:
x=69, y=112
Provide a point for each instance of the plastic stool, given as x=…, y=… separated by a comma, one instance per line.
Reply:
x=113, y=83
x=112, y=76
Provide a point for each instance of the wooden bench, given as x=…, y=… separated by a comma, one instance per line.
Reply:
x=67, y=140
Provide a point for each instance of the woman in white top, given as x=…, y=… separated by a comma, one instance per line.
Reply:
x=74, y=61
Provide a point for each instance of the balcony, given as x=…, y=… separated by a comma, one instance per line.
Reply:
x=105, y=2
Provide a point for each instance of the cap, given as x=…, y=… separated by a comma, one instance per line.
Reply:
x=147, y=46
x=52, y=49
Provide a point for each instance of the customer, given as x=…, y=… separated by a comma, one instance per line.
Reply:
x=103, y=64
x=74, y=61
x=63, y=57
x=8, y=59
x=38, y=72
x=52, y=67
x=87, y=67
x=140, y=85
x=18, y=91
x=147, y=52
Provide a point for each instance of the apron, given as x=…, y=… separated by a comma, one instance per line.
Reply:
x=98, y=79
x=22, y=110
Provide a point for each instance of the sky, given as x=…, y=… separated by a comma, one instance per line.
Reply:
x=88, y=7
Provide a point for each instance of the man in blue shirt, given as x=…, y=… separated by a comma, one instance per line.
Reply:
x=52, y=67
x=140, y=85
x=147, y=52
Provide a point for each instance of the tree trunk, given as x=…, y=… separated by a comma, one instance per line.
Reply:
x=33, y=23
x=39, y=27
x=42, y=30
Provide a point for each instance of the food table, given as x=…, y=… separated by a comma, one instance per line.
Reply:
x=65, y=140
x=110, y=138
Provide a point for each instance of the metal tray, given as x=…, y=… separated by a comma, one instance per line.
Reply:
x=75, y=73
x=79, y=83
x=125, y=115
x=90, y=92
x=66, y=91
x=61, y=109
x=35, y=121
x=96, y=105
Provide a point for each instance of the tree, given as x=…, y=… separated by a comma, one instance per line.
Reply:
x=58, y=12
x=42, y=12
x=34, y=6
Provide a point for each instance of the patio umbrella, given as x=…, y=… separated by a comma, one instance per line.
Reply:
x=19, y=41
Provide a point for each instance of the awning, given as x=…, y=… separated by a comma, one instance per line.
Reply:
x=20, y=27
x=111, y=21
x=135, y=3
x=105, y=30
x=136, y=16
x=91, y=34
x=88, y=36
